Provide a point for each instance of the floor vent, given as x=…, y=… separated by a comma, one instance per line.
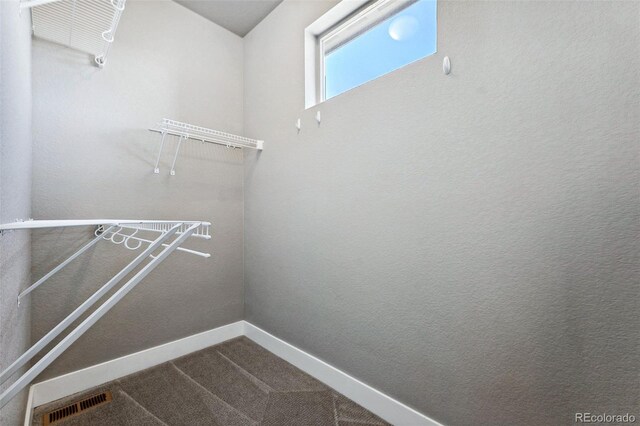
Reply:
x=76, y=408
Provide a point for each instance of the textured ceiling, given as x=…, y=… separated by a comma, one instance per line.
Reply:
x=238, y=16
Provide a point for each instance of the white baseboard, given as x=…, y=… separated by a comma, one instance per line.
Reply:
x=375, y=401
x=87, y=378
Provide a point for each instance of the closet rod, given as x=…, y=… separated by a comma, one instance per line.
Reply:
x=60, y=266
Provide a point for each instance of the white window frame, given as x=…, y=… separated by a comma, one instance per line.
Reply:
x=338, y=26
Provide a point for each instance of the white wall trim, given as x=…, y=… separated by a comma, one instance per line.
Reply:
x=87, y=378
x=375, y=401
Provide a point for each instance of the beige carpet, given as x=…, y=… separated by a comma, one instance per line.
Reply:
x=235, y=383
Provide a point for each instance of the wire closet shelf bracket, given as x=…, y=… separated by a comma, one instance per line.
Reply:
x=131, y=234
x=185, y=131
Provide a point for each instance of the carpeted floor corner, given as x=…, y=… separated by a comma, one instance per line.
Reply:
x=234, y=383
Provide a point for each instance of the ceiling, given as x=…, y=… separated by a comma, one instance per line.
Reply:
x=238, y=16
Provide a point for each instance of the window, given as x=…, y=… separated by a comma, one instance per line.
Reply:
x=379, y=38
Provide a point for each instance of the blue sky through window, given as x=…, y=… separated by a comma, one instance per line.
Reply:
x=395, y=42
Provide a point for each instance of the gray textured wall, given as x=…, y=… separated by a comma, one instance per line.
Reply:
x=15, y=189
x=467, y=243
x=93, y=158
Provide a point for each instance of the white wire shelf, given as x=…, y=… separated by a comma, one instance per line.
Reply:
x=162, y=230
x=85, y=25
x=117, y=231
x=186, y=131
x=202, y=231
